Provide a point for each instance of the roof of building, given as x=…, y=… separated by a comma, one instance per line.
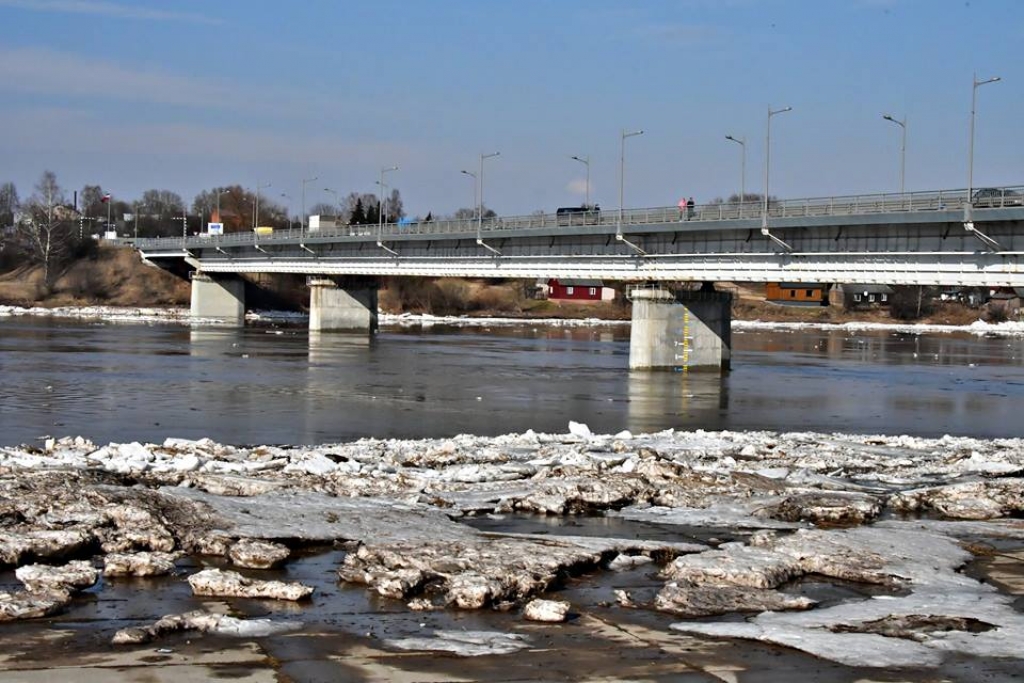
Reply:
x=577, y=283
x=802, y=285
x=868, y=289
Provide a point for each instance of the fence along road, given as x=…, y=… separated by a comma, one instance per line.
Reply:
x=935, y=237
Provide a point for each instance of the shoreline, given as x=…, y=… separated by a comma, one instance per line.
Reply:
x=180, y=315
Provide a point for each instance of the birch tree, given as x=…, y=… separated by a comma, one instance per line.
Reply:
x=45, y=229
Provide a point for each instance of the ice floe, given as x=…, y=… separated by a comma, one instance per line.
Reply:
x=895, y=515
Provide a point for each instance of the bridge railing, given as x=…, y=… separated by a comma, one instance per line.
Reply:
x=936, y=200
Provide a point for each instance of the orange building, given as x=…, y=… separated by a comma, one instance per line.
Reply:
x=797, y=293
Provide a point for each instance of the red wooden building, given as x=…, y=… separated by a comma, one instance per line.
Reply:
x=579, y=290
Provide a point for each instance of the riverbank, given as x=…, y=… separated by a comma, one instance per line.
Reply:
x=180, y=315
x=844, y=555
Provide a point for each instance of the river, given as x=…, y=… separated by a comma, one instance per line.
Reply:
x=281, y=385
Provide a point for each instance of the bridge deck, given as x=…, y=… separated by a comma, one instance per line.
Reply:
x=914, y=238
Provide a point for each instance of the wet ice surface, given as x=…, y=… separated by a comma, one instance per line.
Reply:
x=672, y=541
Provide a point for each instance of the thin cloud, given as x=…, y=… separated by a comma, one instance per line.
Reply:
x=579, y=186
x=107, y=9
x=70, y=76
x=686, y=35
x=51, y=129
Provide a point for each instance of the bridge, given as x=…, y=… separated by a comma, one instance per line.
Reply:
x=943, y=237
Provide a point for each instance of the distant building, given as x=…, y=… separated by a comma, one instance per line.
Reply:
x=1007, y=298
x=797, y=294
x=866, y=296
x=578, y=290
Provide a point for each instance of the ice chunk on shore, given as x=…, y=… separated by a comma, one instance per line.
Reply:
x=218, y=583
x=579, y=429
x=465, y=643
x=204, y=622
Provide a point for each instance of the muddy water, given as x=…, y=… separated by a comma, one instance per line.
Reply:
x=120, y=383
x=125, y=382
x=347, y=628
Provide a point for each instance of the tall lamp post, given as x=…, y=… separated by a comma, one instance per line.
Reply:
x=219, y=195
x=767, y=160
x=586, y=162
x=256, y=205
x=380, y=206
x=302, y=225
x=480, y=200
x=970, y=149
x=136, y=217
x=622, y=172
x=742, y=142
x=289, y=198
x=475, y=188
x=337, y=201
x=903, y=146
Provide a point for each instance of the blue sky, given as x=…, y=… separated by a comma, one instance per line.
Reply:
x=133, y=94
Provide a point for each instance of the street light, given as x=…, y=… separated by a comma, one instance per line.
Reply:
x=302, y=225
x=480, y=203
x=903, y=146
x=222, y=192
x=380, y=206
x=586, y=162
x=622, y=172
x=475, y=189
x=289, y=198
x=970, y=152
x=256, y=205
x=742, y=142
x=767, y=160
x=136, y=217
x=337, y=200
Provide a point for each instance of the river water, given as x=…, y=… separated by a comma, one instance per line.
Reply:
x=126, y=382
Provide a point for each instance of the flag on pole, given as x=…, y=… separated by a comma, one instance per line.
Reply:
x=105, y=198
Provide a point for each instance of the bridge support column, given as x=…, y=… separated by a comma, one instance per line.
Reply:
x=684, y=331
x=221, y=298
x=343, y=304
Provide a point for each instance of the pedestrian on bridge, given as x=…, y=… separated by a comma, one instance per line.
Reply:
x=689, y=208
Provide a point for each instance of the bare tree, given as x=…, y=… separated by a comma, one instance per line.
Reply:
x=162, y=204
x=9, y=205
x=394, y=207
x=324, y=209
x=465, y=214
x=45, y=227
x=92, y=201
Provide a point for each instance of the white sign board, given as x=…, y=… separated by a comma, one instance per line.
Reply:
x=215, y=228
x=110, y=235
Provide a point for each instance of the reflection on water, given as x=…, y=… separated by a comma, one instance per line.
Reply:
x=113, y=382
x=659, y=398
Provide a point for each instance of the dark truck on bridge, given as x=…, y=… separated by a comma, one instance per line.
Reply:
x=995, y=197
x=579, y=215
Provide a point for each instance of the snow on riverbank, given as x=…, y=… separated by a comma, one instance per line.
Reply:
x=181, y=316
x=111, y=313
x=978, y=327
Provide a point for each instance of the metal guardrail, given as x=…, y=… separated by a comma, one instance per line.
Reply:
x=936, y=200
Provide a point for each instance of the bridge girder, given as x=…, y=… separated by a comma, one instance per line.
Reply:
x=927, y=248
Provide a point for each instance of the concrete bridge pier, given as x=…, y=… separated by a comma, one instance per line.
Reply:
x=220, y=297
x=343, y=304
x=685, y=331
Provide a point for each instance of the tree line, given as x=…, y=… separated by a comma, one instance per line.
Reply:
x=54, y=225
